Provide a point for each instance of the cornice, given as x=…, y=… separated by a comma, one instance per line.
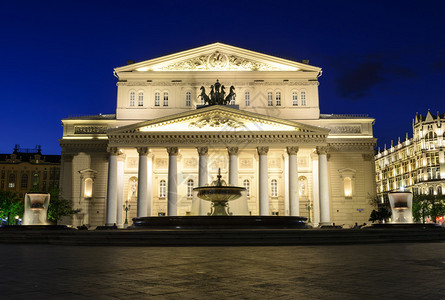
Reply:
x=217, y=139
x=208, y=83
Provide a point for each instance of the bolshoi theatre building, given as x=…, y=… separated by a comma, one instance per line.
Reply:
x=182, y=117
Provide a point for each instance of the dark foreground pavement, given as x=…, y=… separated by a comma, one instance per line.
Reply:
x=367, y=271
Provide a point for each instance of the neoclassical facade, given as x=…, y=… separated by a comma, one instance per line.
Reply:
x=164, y=140
x=416, y=164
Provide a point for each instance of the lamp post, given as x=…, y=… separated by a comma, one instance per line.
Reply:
x=309, y=207
x=126, y=208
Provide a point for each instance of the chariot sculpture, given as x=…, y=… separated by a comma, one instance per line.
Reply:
x=217, y=95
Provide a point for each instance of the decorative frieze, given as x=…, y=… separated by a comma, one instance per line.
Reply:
x=345, y=129
x=90, y=129
x=215, y=139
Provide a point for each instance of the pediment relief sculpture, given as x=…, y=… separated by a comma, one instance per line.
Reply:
x=218, y=61
x=216, y=121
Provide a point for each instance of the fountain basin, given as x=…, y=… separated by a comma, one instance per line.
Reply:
x=222, y=222
x=219, y=193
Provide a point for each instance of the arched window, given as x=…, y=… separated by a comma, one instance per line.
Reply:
x=303, y=98
x=247, y=98
x=190, y=185
x=188, y=99
x=24, y=181
x=157, y=99
x=246, y=184
x=162, y=189
x=132, y=97
x=165, y=99
x=347, y=183
x=431, y=190
x=294, y=98
x=232, y=100
x=35, y=181
x=274, y=188
x=141, y=99
x=269, y=99
x=439, y=190
x=278, y=98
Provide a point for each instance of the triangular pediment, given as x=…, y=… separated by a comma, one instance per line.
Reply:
x=218, y=57
x=219, y=119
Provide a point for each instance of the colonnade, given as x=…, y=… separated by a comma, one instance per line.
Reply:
x=144, y=196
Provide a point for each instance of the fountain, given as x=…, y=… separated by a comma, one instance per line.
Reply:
x=401, y=207
x=402, y=213
x=36, y=209
x=219, y=194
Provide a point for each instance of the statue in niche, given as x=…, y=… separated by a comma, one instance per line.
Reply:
x=302, y=187
x=217, y=95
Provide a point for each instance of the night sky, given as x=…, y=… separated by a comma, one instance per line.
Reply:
x=382, y=58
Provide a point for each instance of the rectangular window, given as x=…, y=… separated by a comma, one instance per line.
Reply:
x=157, y=99
x=11, y=185
x=141, y=99
x=278, y=99
x=294, y=99
x=165, y=99
x=247, y=98
x=303, y=98
x=269, y=99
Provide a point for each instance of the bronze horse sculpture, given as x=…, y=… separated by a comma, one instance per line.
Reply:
x=217, y=97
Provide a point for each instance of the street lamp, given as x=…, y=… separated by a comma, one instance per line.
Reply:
x=309, y=207
x=126, y=208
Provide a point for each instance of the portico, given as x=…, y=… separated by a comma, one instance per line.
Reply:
x=282, y=138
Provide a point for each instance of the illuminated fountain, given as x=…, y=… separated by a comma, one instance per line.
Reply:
x=401, y=207
x=219, y=194
x=36, y=209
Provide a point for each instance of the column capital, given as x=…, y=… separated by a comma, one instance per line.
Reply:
x=233, y=150
x=202, y=150
x=322, y=150
x=113, y=150
x=172, y=151
x=262, y=150
x=292, y=150
x=143, y=150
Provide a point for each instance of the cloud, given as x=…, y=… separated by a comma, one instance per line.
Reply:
x=356, y=81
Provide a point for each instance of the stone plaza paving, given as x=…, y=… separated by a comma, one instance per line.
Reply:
x=366, y=271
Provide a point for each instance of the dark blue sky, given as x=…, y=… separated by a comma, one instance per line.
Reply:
x=382, y=58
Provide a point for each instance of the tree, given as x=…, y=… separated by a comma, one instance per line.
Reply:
x=58, y=207
x=10, y=206
x=382, y=209
x=432, y=206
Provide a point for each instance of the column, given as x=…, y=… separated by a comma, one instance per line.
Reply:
x=112, y=187
x=172, y=193
x=315, y=190
x=324, y=186
x=120, y=190
x=149, y=184
x=142, y=182
x=233, y=165
x=294, y=202
x=201, y=207
x=203, y=173
x=263, y=181
x=240, y=206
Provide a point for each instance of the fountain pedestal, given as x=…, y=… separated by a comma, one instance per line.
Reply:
x=36, y=209
x=402, y=207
